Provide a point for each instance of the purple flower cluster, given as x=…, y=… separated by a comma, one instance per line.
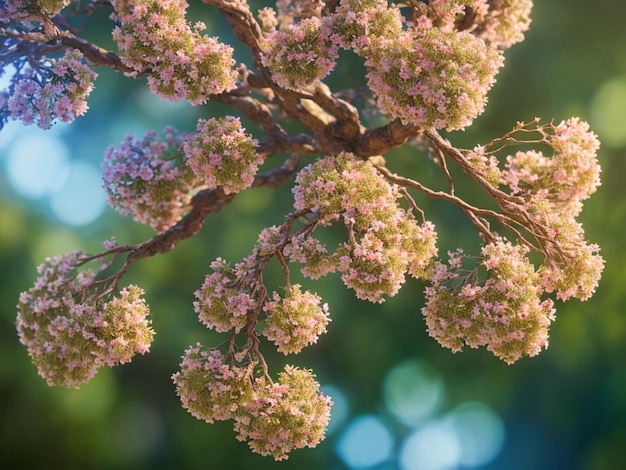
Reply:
x=148, y=179
x=57, y=89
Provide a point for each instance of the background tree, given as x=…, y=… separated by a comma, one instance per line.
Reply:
x=345, y=341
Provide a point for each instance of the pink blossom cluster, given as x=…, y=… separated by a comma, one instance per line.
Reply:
x=504, y=23
x=24, y=10
x=58, y=93
x=299, y=53
x=448, y=14
x=500, y=23
x=228, y=295
x=421, y=73
x=295, y=320
x=496, y=304
x=275, y=418
x=565, y=179
x=211, y=388
x=384, y=240
x=553, y=190
x=70, y=331
x=148, y=178
x=432, y=78
x=283, y=416
x=358, y=23
x=12, y=10
x=154, y=37
x=221, y=154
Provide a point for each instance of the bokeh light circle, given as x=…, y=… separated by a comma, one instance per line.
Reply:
x=480, y=433
x=366, y=442
x=37, y=165
x=413, y=391
x=433, y=446
x=608, y=112
x=81, y=199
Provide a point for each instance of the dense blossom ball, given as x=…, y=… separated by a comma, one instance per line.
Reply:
x=385, y=241
x=154, y=37
x=432, y=78
x=69, y=331
x=60, y=95
x=209, y=386
x=295, y=320
x=501, y=23
x=357, y=23
x=299, y=53
x=226, y=297
x=283, y=416
x=573, y=266
x=148, y=179
x=220, y=153
x=497, y=305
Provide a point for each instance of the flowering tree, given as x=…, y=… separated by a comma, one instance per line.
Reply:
x=429, y=67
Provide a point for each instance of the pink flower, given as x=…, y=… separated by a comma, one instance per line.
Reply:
x=154, y=37
x=221, y=154
x=296, y=320
x=283, y=416
x=70, y=330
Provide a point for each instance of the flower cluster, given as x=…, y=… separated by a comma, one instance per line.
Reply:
x=504, y=23
x=23, y=10
x=55, y=89
x=209, y=387
x=553, y=190
x=227, y=296
x=448, y=14
x=358, y=23
x=565, y=179
x=148, y=179
x=299, y=53
x=296, y=320
x=70, y=331
x=220, y=153
x=283, y=416
x=500, y=23
x=497, y=304
x=154, y=37
x=432, y=78
x=385, y=240
x=275, y=418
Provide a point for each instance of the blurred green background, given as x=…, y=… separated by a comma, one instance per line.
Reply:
x=401, y=401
